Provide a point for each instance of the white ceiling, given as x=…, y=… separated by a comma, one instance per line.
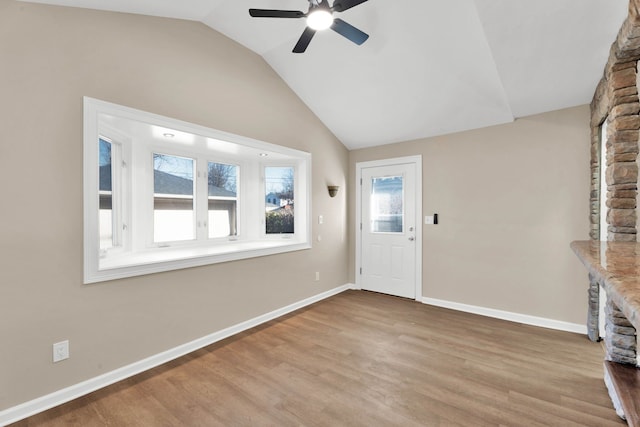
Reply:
x=429, y=67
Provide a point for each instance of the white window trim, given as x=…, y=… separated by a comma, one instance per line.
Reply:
x=299, y=221
x=121, y=196
x=132, y=261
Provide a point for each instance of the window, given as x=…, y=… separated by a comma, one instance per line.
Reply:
x=387, y=201
x=222, y=181
x=173, y=198
x=162, y=194
x=111, y=212
x=280, y=214
x=105, y=190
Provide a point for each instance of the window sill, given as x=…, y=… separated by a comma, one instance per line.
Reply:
x=118, y=266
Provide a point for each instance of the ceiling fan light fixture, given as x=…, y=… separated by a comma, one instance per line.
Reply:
x=320, y=19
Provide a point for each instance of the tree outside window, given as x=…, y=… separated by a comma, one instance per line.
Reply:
x=279, y=187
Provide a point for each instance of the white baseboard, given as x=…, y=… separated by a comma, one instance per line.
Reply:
x=43, y=403
x=507, y=315
x=354, y=287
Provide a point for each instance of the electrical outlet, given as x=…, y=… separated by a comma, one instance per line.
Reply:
x=60, y=351
x=317, y=276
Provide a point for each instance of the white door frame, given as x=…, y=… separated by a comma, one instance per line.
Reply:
x=417, y=161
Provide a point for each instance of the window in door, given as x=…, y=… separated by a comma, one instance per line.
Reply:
x=387, y=204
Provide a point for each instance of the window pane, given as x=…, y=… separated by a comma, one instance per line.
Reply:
x=105, y=216
x=173, y=202
x=387, y=210
x=223, y=182
x=279, y=200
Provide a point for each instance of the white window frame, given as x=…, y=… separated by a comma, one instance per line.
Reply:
x=264, y=193
x=120, y=192
x=149, y=212
x=237, y=199
x=138, y=254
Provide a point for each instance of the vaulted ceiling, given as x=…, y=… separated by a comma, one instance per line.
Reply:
x=429, y=67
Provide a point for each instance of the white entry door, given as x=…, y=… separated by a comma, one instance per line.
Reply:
x=388, y=229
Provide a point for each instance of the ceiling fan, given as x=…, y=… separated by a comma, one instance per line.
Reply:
x=319, y=17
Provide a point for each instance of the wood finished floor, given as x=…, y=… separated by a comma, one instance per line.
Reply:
x=364, y=359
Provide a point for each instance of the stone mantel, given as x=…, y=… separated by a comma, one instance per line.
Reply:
x=616, y=266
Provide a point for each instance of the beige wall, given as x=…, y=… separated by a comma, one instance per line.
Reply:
x=50, y=57
x=510, y=199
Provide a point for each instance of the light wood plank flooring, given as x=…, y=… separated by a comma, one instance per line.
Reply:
x=364, y=359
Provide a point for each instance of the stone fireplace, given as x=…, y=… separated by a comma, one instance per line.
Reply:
x=616, y=101
x=616, y=108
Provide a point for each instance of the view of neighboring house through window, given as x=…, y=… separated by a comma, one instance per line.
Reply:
x=387, y=200
x=222, y=182
x=173, y=201
x=279, y=189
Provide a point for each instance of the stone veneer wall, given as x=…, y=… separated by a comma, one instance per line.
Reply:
x=616, y=100
x=620, y=339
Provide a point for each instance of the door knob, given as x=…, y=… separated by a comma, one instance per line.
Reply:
x=411, y=239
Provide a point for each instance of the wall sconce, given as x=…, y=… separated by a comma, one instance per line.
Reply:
x=333, y=190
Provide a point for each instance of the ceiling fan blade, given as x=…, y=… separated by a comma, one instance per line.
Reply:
x=349, y=31
x=304, y=40
x=271, y=13
x=342, y=5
